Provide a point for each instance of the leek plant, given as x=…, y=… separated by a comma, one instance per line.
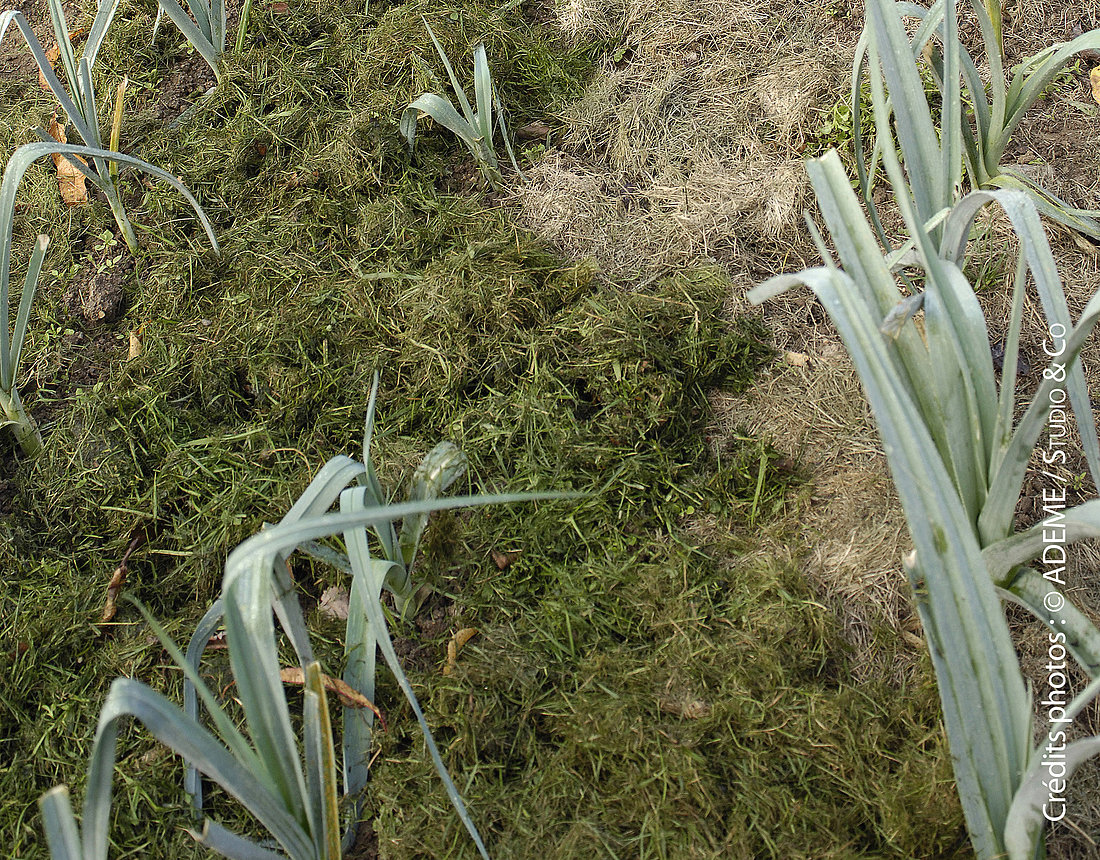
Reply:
x=205, y=28
x=473, y=127
x=956, y=451
x=11, y=349
x=996, y=20
x=83, y=115
x=289, y=784
x=997, y=109
x=11, y=345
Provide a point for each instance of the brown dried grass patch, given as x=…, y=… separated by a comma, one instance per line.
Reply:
x=686, y=150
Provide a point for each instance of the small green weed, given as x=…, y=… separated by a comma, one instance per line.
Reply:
x=835, y=130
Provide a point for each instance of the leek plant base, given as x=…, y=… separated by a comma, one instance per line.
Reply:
x=11, y=347
x=204, y=28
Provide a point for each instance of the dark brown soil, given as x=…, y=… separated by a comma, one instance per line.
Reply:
x=462, y=177
x=539, y=13
x=425, y=651
x=16, y=63
x=366, y=844
x=1077, y=490
x=97, y=295
x=87, y=358
x=189, y=76
x=187, y=80
x=8, y=466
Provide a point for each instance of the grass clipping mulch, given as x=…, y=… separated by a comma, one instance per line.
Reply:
x=688, y=148
x=687, y=145
x=851, y=533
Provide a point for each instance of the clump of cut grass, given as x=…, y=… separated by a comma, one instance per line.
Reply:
x=683, y=733
x=535, y=73
x=678, y=152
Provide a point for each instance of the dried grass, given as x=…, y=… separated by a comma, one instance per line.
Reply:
x=687, y=150
x=639, y=226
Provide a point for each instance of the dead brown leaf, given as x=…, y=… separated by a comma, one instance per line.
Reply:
x=915, y=641
x=118, y=581
x=135, y=346
x=53, y=55
x=217, y=642
x=1094, y=79
x=70, y=181
x=349, y=697
x=1083, y=244
x=21, y=648
x=114, y=588
x=460, y=638
x=334, y=603
x=503, y=560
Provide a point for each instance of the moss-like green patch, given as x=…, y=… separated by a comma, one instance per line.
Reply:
x=714, y=719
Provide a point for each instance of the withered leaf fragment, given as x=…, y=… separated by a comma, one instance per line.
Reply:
x=503, y=560
x=349, y=697
x=455, y=645
x=114, y=589
x=533, y=131
x=334, y=603
x=118, y=581
x=70, y=181
x=53, y=55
